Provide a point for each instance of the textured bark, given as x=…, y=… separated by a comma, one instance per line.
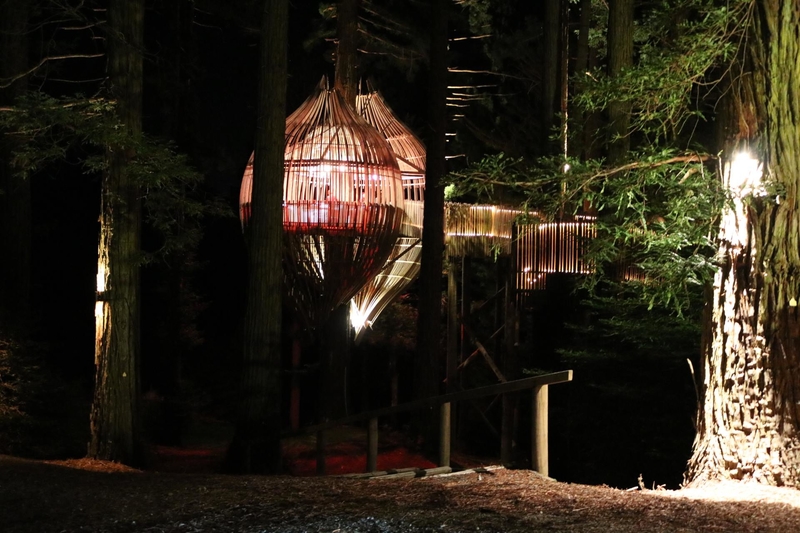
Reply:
x=336, y=337
x=256, y=444
x=586, y=123
x=428, y=356
x=620, y=57
x=15, y=191
x=347, y=49
x=550, y=74
x=749, y=420
x=115, y=413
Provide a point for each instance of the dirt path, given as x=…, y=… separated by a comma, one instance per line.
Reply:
x=92, y=496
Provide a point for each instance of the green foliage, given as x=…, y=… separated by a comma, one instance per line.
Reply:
x=658, y=214
x=681, y=50
x=56, y=129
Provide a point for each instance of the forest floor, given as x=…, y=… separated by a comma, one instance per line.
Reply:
x=82, y=495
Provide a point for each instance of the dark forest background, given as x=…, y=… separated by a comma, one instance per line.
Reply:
x=631, y=407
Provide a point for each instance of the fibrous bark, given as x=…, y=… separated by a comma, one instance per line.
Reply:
x=620, y=57
x=426, y=365
x=114, y=415
x=749, y=419
x=256, y=444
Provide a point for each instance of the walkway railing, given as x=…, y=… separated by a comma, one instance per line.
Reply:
x=539, y=419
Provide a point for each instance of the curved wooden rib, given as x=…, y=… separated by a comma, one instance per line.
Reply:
x=402, y=266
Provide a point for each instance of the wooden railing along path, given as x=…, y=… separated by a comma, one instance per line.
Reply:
x=539, y=410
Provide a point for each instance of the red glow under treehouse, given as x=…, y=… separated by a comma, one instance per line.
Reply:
x=342, y=204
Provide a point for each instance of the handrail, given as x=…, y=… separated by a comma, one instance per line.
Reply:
x=539, y=411
x=469, y=394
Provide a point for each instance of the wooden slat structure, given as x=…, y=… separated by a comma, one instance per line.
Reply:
x=402, y=266
x=552, y=248
x=343, y=204
x=478, y=230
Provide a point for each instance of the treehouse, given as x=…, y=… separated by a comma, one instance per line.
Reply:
x=343, y=204
x=402, y=266
x=552, y=248
x=478, y=230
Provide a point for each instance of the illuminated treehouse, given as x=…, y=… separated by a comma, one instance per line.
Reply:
x=343, y=205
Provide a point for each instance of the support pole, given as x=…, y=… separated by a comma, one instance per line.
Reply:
x=444, y=434
x=539, y=451
x=294, y=401
x=372, y=445
x=321, y=453
x=452, y=324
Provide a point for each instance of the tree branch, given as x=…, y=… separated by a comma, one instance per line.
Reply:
x=8, y=81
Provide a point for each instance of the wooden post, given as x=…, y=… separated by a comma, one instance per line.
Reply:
x=452, y=324
x=372, y=445
x=321, y=453
x=539, y=452
x=294, y=401
x=444, y=434
x=508, y=429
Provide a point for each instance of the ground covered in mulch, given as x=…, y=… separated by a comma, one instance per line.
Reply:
x=84, y=495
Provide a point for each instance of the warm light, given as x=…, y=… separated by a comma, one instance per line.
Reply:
x=357, y=318
x=744, y=175
x=101, y=277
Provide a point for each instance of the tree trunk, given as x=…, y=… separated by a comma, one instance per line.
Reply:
x=15, y=191
x=256, y=444
x=585, y=122
x=426, y=363
x=337, y=333
x=115, y=413
x=748, y=425
x=620, y=57
x=552, y=63
x=346, y=49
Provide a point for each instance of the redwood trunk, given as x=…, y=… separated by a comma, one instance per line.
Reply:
x=256, y=444
x=114, y=415
x=620, y=57
x=428, y=356
x=748, y=420
x=346, y=49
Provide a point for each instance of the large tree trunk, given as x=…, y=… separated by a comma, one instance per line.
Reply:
x=428, y=356
x=347, y=49
x=115, y=413
x=551, y=68
x=256, y=445
x=15, y=191
x=620, y=57
x=335, y=336
x=748, y=423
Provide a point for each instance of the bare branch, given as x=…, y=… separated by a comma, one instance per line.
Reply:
x=8, y=81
